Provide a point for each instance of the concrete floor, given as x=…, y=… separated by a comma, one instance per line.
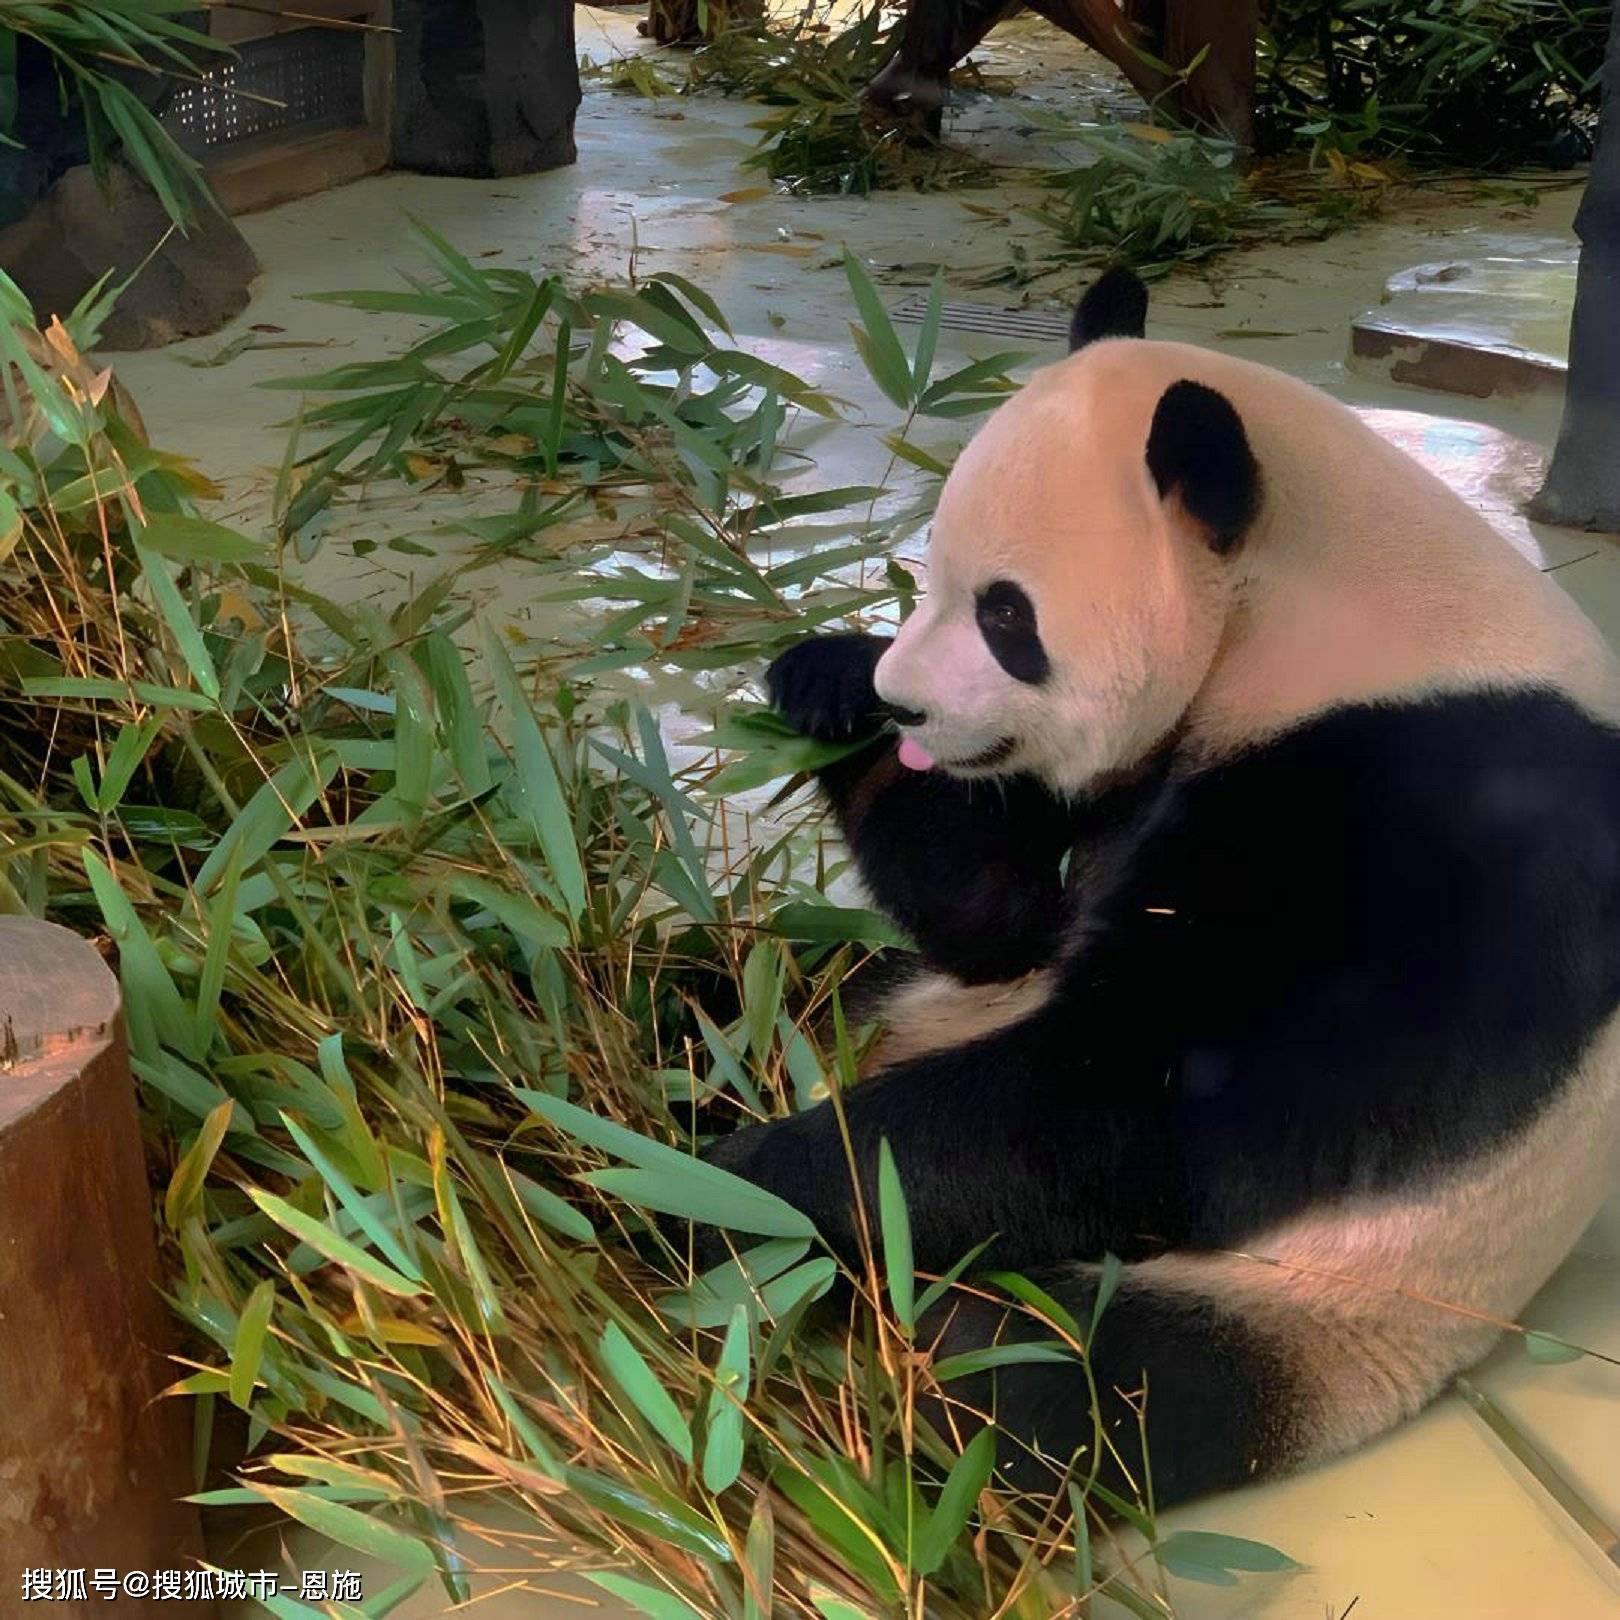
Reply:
x=1437, y=1520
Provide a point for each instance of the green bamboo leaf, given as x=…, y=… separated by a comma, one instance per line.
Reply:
x=644, y=1599
x=1544, y=1347
x=177, y=616
x=672, y=1171
x=460, y=724
x=123, y=759
x=657, y=323
x=186, y=539
x=555, y=1212
x=1041, y=1302
x=1108, y=1281
x=351, y=1200
x=526, y=920
x=813, y=922
x=665, y=1517
x=759, y=1554
x=763, y=972
x=928, y=335
x=361, y=1532
x=247, y=1349
x=476, y=286
x=320, y=1237
x=268, y=816
x=969, y=1475
x=650, y=1398
x=186, y=1184
x=543, y=800
x=878, y=345
x=539, y=1452
x=737, y=1206
x=1002, y=1355
x=1084, y=1567
x=413, y=761
x=152, y=1004
x=936, y=1291
x=90, y=687
x=723, y=1443
x=1202, y=1555
x=221, y=934
x=831, y=1607
x=897, y=1253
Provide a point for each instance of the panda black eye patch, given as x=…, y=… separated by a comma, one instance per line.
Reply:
x=1006, y=618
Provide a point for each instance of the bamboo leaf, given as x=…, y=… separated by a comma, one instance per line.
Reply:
x=644, y=1599
x=543, y=800
x=668, y=1172
x=1001, y=1355
x=351, y=1201
x=247, y=1350
x=878, y=345
x=1202, y=1555
x=969, y=1476
x=897, y=1254
x=723, y=1443
x=186, y=1184
x=320, y=1237
x=640, y=1384
x=350, y=1528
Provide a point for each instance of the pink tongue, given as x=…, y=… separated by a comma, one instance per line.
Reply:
x=914, y=756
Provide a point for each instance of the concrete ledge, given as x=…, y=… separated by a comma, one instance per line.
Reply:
x=1479, y=327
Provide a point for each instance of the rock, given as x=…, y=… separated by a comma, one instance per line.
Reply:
x=193, y=284
x=484, y=87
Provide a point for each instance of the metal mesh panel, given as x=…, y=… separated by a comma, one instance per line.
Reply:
x=316, y=75
x=1040, y=325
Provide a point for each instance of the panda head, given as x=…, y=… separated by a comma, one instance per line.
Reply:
x=1081, y=566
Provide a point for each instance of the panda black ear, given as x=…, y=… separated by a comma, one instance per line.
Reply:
x=1197, y=447
x=1114, y=305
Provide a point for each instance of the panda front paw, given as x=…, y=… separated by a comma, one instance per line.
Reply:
x=823, y=687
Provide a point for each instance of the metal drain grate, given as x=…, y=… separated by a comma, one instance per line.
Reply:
x=316, y=74
x=1035, y=325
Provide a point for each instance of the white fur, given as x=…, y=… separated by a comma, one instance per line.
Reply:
x=1364, y=577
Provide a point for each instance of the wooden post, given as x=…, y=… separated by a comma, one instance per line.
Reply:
x=92, y=1466
x=1583, y=483
x=679, y=22
x=1219, y=93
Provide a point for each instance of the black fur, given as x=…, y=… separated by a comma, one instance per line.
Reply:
x=1215, y=1395
x=1006, y=619
x=823, y=686
x=1115, y=305
x=1332, y=965
x=968, y=869
x=1197, y=446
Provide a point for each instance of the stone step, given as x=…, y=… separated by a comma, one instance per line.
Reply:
x=1480, y=327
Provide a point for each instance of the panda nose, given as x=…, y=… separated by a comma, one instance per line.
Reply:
x=906, y=717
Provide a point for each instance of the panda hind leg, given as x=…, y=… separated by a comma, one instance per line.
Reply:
x=1213, y=1398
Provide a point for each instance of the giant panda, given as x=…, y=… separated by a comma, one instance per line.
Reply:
x=1255, y=811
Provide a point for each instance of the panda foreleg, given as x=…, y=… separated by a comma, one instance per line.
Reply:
x=970, y=870
x=990, y=1140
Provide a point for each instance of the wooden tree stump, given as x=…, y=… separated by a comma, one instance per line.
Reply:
x=92, y=1467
